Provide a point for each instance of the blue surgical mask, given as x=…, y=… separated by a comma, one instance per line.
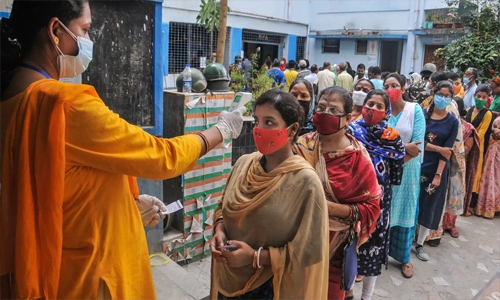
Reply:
x=466, y=80
x=72, y=66
x=441, y=101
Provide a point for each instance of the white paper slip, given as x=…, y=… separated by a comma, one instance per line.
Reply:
x=173, y=207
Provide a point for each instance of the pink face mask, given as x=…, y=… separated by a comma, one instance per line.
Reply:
x=394, y=94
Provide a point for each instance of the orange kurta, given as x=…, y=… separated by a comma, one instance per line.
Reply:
x=66, y=208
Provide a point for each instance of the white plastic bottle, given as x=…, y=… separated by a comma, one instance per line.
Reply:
x=186, y=80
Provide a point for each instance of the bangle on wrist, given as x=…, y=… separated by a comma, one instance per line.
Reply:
x=438, y=174
x=219, y=220
x=254, y=263
x=258, y=258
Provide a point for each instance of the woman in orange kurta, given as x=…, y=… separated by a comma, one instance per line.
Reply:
x=69, y=224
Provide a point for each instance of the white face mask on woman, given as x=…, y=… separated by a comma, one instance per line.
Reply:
x=72, y=66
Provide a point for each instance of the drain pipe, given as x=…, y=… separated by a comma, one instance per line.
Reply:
x=288, y=9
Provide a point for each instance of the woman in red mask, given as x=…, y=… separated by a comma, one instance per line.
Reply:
x=408, y=119
x=271, y=227
x=387, y=153
x=351, y=188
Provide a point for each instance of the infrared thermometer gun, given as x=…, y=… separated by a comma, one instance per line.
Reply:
x=240, y=99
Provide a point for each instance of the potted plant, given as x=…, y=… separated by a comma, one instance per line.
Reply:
x=453, y=16
x=428, y=23
x=439, y=21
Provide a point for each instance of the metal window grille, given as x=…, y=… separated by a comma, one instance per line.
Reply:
x=331, y=46
x=262, y=37
x=301, y=47
x=188, y=42
x=361, y=46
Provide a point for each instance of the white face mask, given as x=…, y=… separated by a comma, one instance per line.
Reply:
x=358, y=98
x=72, y=66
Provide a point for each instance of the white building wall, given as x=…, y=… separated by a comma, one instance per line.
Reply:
x=262, y=15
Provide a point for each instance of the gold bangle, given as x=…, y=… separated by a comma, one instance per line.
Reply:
x=205, y=140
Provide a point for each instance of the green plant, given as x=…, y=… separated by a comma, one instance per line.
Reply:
x=238, y=80
x=481, y=47
x=429, y=18
x=209, y=17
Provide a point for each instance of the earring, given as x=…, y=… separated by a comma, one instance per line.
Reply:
x=56, y=41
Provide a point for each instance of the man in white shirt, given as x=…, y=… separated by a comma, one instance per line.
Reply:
x=314, y=74
x=325, y=78
x=360, y=73
x=470, y=86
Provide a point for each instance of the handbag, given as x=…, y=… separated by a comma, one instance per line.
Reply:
x=350, y=262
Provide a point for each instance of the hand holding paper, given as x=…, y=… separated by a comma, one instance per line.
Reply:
x=150, y=208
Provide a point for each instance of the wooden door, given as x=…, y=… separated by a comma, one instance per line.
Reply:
x=429, y=56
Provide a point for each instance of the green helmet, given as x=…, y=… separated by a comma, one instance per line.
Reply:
x=199, y=83
x=215, y=72
x=429, y=67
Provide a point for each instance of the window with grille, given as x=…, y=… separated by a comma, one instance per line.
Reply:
x=301, y=47
x=361, y=47
x=331, y=46
x=188, y=42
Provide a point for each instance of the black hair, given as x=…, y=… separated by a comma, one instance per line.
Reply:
x=287, y=105
x=314, y=68
x=474, y=72
x=460, y=106
x=444, y=84
x=403, y=77
x=20, y=32
x=307, y=63
x=367, y=80
x=292, y=64
x=304, y=82
x=439, y=85
x=343, y=93
x=453, y=76
x=361, y=66
x=384, y=75
x=484, y=87
x=439, y=76
x=276, y=63
x=268, y=63
x=326, y=64
x=397, y=77
x=376, y=71
x=381, y=93
x=370, y=69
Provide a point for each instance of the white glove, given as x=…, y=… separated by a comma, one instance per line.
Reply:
x=150, y=208
x=231, y=123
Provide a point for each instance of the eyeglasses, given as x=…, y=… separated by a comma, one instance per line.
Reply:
x=330, y=110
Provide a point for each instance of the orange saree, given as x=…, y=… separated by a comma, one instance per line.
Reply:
x=68, y=219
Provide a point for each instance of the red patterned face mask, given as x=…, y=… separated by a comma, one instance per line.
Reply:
x=372, y=116
x=394, y=94
x=270, y=140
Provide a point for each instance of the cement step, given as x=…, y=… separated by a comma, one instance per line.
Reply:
x=173, y=281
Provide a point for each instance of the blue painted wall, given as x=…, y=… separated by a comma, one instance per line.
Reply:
x=292, y=47
x=236, y=42
x=157, y=72
x=165, y=28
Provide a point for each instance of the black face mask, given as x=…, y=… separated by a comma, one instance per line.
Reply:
x=305, y=105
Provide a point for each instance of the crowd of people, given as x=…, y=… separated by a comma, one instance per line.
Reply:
x=428, y=146
x=350, y=168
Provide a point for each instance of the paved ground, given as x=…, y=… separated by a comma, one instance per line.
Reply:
x=458, y=268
